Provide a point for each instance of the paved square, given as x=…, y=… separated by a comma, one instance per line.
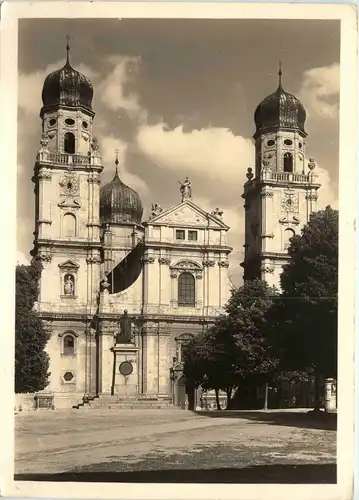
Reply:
x=174, y=445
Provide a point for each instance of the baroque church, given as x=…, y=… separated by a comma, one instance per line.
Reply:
x=122, y=296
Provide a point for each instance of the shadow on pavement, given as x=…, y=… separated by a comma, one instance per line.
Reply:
x=325, y=421
x=284, y=474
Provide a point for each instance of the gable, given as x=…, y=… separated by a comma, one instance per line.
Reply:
x=187, y=214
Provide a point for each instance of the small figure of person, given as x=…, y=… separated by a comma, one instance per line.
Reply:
x=69, y=285
x=186, y=189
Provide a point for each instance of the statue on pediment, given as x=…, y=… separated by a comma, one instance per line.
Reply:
x=156, y=209
x=218, y=213
x=186, y=189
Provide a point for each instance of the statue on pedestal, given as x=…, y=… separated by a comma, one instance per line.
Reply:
x=124, y=335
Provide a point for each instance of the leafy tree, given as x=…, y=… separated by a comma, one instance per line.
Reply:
x=303, y=322
x=31, y=361
x=235, y=351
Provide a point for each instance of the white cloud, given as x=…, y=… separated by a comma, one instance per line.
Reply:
x=320, y=91
x=327, y=194
x=217, y=152
x=112, y=90
x=108, y=145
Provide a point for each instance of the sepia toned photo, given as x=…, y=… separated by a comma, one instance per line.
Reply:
x=177, y=250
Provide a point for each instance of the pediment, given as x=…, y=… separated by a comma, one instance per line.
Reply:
x=187, y=214
x=69, y=265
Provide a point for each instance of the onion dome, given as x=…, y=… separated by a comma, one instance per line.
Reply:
x=67, y=87
x=119, y=204
x=279, y=110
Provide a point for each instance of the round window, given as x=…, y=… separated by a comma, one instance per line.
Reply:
x=126, y=368
x=85, y=124
x=270, y=143
x=68, y=376
x=288, y=142
x=69, y=121
x=52, y=122
x=300, y=145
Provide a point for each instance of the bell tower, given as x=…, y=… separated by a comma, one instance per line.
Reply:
x=282, y=192
x=67, y=225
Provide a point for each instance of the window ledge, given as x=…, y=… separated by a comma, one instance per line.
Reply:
x=68, y=296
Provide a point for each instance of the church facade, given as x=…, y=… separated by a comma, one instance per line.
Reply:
x=120, y=296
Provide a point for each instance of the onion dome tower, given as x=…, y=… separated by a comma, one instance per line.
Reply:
x=67, y=112
x=280, y=133
x=282, y=192
x=119, y=204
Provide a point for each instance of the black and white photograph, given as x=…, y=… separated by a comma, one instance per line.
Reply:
x=183, y=264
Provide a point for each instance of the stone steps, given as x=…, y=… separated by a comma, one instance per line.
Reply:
x=106, y=401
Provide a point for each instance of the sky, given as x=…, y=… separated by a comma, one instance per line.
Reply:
x=177, y=98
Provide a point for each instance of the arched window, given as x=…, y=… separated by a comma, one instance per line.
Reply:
x=69, y=226
x=186, y=290
x=69, y=344
x=69, y=143
x=288, y=234
x=288, y=162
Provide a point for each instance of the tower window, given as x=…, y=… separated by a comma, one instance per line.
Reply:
x=288, y=234
x=288, y=142
x=300, y=145
x=270, y=143
x=288, y=162
x=70, y=121
x=69, y=143
x=85, y=124
x=52, y=122
x=186, y=290
x=69, y=345
x=69, y=226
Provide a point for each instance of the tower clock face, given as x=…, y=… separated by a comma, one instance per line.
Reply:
x=289, y=202
x=70, y=185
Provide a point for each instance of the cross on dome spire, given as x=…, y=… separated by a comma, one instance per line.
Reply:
x=280, y=73
x=67, y=49
x=117, y=161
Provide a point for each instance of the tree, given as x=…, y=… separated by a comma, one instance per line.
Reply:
x=303, y=322
x=31, y=361
x=235, y=351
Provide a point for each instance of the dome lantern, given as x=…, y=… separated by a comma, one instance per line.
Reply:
x=280, y=110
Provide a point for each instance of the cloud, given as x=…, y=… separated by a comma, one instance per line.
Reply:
x=114, y=89
x=215, y=151
x=319, y=91
x=327, y=194
x=109, y=144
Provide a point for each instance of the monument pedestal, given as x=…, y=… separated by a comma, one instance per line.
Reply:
x=125, y=371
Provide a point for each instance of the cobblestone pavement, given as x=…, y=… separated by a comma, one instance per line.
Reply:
x=140, y=440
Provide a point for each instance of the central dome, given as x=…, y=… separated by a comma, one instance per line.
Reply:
x=119, y=204
x=67, y=87
x=279, y=110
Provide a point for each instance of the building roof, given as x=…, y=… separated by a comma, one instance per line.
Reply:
x=67, y=87
x=279, y=110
